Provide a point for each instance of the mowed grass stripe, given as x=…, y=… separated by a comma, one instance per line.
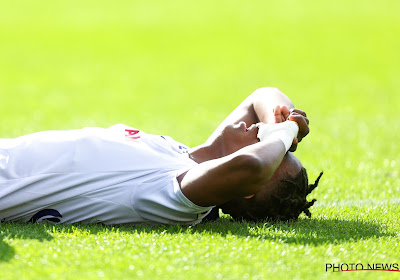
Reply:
x=357, y=202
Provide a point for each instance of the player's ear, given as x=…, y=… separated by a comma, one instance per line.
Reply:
x=249, y=196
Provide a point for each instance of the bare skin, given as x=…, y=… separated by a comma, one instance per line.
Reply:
x=233, y=163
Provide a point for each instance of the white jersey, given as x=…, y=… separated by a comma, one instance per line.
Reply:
x=118, y=175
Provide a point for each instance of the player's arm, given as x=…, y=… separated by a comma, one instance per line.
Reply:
x=244, y=172
x=258, y=107
x=240, y=174
x=267, y=105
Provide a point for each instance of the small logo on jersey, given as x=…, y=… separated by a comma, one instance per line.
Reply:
x=49, y=215
x=183, y=149
x=131, y=134
x=175, y=146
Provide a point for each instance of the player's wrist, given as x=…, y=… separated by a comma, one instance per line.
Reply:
x=285, y=131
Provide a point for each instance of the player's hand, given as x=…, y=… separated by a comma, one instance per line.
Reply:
x=281, y=113
x=300, y=117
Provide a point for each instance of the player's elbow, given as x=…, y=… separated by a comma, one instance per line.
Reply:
x=254, y=169
x=273, y=94
x=249, y=162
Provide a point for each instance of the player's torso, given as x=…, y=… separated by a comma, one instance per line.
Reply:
x=87, y=173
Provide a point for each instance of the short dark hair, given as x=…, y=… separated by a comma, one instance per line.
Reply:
x=286, y=202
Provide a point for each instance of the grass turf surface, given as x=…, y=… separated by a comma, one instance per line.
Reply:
x=178, y=69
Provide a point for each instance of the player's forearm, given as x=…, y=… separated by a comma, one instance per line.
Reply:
x=247, y=170
x=268, y=154
x=257, y=107
x=275, y=141
x=240, y=174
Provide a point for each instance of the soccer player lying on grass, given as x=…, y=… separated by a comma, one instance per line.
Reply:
x=121, y=175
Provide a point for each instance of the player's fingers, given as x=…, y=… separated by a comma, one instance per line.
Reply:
x=297, y=114
x=298, y=111
x=285, y=112
x=303, y=126
x=293, y=148
x=278, y=114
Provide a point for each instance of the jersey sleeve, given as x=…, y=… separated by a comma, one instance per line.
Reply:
x=162, y=201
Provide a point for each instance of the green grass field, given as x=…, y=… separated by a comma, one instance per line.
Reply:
x=178, y=68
